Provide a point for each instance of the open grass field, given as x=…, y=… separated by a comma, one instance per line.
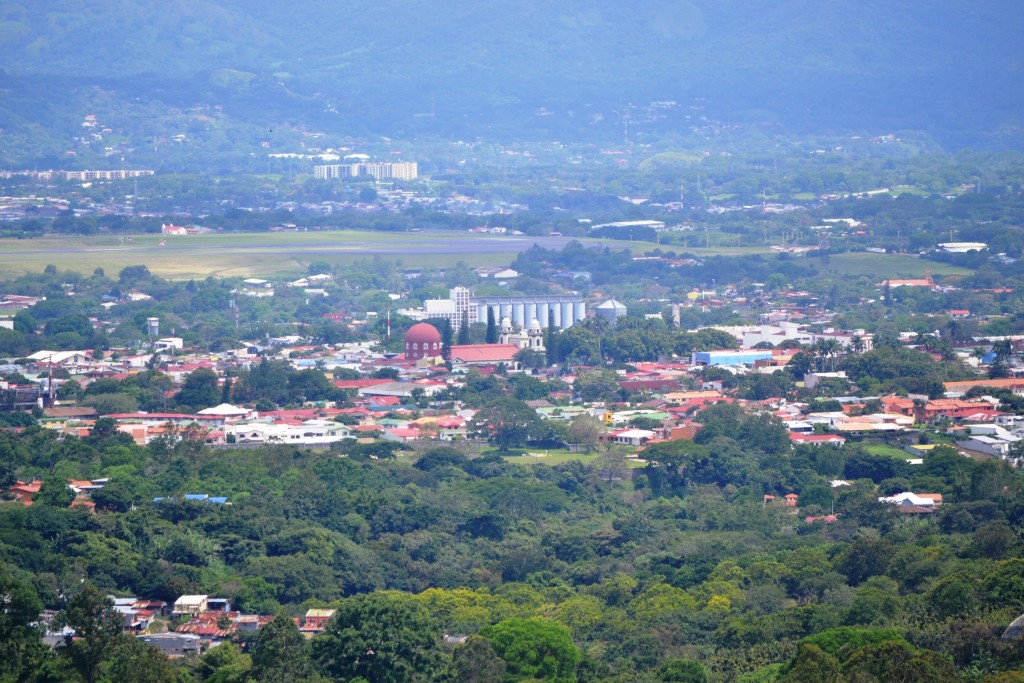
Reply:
x=882, y=266
x=559, y=456
x=290, y=253
x=883, y=449
x=266, y=254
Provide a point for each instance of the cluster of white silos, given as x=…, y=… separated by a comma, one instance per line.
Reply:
x=522, y=310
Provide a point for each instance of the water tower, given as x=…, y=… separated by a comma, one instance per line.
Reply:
x=153, y=327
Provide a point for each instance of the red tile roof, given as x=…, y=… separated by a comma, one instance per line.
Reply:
x=484, y=353
x=359, y=383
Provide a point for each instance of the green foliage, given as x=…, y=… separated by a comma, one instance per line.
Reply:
x=201, y=390
x=681, y=561
x=97, y=629
x=475, y=661
x=379, y=637
x=20, y=646
x=507, y=423
x=534, y=649
x=280, y=653
x=841, y=642
x=683, y=671
x=130, y=659
x=54, y=493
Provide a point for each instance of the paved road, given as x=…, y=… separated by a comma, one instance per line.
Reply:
x=441, y=244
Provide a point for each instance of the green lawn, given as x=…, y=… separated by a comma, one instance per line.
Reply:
x=883, y=266
x=908, y=189
x=556, y=457
x=883, y=449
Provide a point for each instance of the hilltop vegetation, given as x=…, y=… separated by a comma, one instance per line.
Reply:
x=684, y=561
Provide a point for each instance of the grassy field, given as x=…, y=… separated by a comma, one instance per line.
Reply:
x=559, y=456
x=883, y=449
x=282, y=253
x=263, y=254
x=290, y=253
x=883, y=266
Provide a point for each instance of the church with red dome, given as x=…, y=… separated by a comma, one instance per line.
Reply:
x=422, y=341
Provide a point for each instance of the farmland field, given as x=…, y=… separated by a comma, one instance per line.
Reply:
x=265, y=254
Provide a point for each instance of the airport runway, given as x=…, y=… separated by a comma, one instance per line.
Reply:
x=439, y=244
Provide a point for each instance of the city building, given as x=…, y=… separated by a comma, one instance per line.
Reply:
x=190, y=605
x=611, y=309
x=740, y=357
x=380, y=170
x=961, y=247
x=657, y=226
x=531, y=337
x=567, y=309
x=173, y=644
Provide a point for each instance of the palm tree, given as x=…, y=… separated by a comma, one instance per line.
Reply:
x=827, y=350
x=1003, y=348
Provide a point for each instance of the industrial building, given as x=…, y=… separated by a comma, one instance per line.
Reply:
x=567, y=309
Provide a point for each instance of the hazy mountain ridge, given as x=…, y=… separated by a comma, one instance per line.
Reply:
x=940, y=65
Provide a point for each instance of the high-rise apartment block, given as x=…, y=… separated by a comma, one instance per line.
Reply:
x=380, y=170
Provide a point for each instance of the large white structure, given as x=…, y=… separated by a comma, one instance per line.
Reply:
x=567, y=309
x=658, y=226
x=531, y=337
x=380, y=170
x=309, y=433
x=611, y=309
x=961, y=247
x=750, y=336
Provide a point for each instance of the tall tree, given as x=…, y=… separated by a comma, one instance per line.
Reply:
x=492, y=327
x=20, y=645
x=476, y=662
x=535, y=648
x=97, y=626
x=683, y=671
x=281, y=654
x=54, y=492
x=446, y=342
x=584, y=431
x=507, y=422
x=381, y=637
x=200, y=390
x=463, y=337
x=130, y=659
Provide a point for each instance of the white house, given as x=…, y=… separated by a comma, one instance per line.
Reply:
x=309, y=433
x=190, y=605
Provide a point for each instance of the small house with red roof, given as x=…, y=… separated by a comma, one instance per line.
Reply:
x=23, y=491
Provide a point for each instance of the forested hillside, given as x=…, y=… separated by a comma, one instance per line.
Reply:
x=685, y=560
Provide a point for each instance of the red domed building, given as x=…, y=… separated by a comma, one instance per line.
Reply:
x=422, y=341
